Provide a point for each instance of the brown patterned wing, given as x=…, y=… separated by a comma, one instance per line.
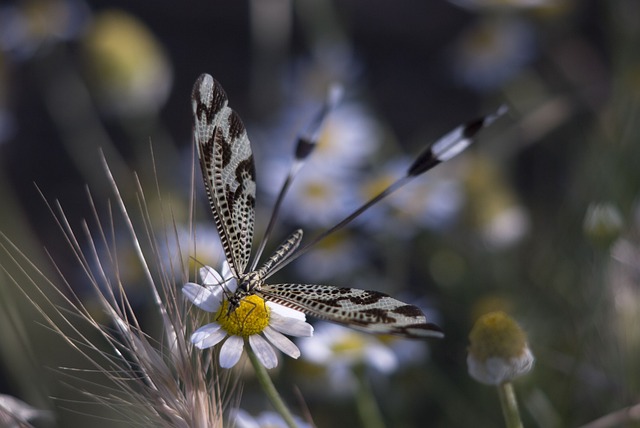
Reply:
x=228, y=169
x=369, y=311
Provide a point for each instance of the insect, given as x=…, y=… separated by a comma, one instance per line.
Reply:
x=228, y=170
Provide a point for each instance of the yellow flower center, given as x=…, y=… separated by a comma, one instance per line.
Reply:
x=497, y=335
x=316, y=191
x=351, y=343
x=250, y=317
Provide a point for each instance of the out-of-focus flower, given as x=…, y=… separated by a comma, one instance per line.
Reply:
x=128, y=65
x=325, y=189
x=192, y=248
x=28, y=26
x=492, y=52
x=333, y=257
x=429, y=202
x=340, y=350
x=603, y=223
x=506, y=4
x=242, y=419
x=498, y=350
x=494, y=210
x=16, y=413
x=250, y=321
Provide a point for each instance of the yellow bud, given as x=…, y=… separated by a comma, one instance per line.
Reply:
x=498, y=351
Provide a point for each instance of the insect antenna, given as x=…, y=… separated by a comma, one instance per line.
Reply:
x=446, y=147
x=305, y=145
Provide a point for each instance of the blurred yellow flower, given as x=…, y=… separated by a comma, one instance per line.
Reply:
x=603, y=223
x=498, y=351
x=128, y=64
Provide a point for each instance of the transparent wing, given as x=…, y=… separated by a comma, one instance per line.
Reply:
x=369, y=311
x=228, y=169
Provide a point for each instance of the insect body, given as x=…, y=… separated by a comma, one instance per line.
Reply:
x=227, y=165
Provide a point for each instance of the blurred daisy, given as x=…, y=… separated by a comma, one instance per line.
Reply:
x=498, y=350
x=603, y=223
x=26, y=28
x=483, y=4
x=129, y=66
x=325, y=190
x=340, y=350
x=321, y=195
x=255, y=321
x=494, y=210
x=16, y=413
x=348, y=138
x=333, y=257
x=432, y=203
x=185, y=247
x=492, y=52
x=242, y=419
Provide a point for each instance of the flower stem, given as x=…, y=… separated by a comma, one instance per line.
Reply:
x=368, y=408
x=509, y=405
x=270, y=390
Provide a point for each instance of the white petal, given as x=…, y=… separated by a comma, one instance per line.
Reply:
x=210, y=276
x=207, y=299
x=243, y=419
x=286, y=312
x=290, y=326
x=226, y=270
x=281, y=342
x=208, y=335
x=264, y=351
x=381, y=357
x=231, y=351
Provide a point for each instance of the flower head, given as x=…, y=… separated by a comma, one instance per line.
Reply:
x=498, y=352
x=342, y=351
x=253, y=320
x=243, y=419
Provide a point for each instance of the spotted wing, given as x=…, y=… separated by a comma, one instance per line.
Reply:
x=228, y=170
x=369, y=311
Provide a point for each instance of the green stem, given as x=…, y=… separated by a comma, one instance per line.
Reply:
x=269, y=389
x=367, y=405
x=509, y=405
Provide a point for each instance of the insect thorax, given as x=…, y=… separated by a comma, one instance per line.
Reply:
x=247, y=284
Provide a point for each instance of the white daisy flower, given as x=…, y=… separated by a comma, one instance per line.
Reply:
x=492, y=52
x=340, y=349
x=255, y=321
x=243, y=419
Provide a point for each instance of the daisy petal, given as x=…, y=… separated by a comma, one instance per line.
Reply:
x=208, y=335
x=210, y=276
x=263, y=351
x=382, y=358
x=290, y=326
x=281, y=342
x=231, y=351
x=207, y=299
x=286, y=312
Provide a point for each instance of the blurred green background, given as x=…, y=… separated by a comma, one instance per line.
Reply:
x=540, y=219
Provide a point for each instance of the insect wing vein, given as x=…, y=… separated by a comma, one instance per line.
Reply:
x=369, y=311
x=228, y=169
